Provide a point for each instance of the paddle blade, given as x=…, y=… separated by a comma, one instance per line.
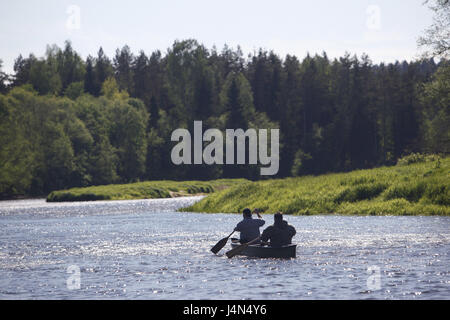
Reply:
x=219, y=245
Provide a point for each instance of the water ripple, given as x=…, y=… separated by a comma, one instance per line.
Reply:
x=145, y=249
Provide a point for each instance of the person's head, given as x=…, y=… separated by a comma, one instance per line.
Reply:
x=247, y=213
x=278, y=217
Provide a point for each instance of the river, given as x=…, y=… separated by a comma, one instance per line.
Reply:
x=145, y=249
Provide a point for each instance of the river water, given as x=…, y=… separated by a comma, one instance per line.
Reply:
x=145, y=249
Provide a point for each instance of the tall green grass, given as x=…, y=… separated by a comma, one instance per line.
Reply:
x=418, y=185
x=142, y=190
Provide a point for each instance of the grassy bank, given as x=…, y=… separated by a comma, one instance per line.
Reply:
x=143, y=190
x=417, y=185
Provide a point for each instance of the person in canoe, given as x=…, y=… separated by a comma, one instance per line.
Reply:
x=249, y=227
x=280, y=233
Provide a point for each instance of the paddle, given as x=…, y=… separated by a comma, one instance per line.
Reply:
x=219, y=245
x=238, y=249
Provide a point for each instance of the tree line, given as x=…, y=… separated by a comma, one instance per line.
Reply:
x=67, y=121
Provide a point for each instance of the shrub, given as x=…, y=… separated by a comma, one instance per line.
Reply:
x=56, y=196
x=417, y=158
x=141, y=190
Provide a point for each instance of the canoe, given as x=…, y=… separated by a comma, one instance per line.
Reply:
x=258, y=251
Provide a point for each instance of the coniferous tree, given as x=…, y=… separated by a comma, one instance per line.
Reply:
x=89, y=77
x=103, y=70
x=123, y=69
x=140, y=72
x=22, y=69
x=70, y=66
x=333, y=115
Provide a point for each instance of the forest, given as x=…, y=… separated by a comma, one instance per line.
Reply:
x=70, y=122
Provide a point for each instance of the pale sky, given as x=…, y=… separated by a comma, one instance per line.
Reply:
x=385, y=30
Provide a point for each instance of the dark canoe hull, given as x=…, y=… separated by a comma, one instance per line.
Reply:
x=258, y=251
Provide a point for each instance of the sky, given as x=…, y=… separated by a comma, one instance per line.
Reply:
x=386, y=30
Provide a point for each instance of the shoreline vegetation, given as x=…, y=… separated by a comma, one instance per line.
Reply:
x=69, y=122
x=143, y=190
x=417, y=185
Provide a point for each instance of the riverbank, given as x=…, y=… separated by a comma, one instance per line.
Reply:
x=143, y=190
x=417, y=185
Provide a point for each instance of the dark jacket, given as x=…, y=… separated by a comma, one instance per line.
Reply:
x=249, y=228
x=279, y=234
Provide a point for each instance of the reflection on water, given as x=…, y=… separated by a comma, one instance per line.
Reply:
x=144, y=249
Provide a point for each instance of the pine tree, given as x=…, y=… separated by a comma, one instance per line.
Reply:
x=103, y=70
x=140, y=72
x=90, y=85
x=123, y=69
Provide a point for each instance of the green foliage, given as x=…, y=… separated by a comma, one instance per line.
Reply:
x=74, y=90
x=417, y=158
x=50, y=143
x=435, y=97
x=414, y=189
x=17, y=158
x=44, y=78
x=142, y=190
x=437, y=193
x=436, y=36
x=110, y=90
x=299, y=161
x=237, y=101
x=127, y=134
x=66, y=122
x=411, y=191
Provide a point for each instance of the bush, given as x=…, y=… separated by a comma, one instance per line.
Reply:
x=56, y=196
x=417, y=158
x=142, y=190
